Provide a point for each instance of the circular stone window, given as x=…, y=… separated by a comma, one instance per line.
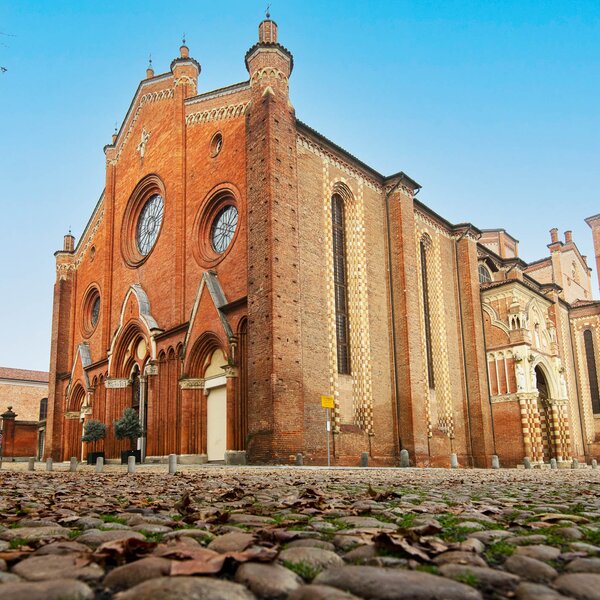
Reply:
x=91, y=311
x=216, y=226
x=142, y=220
x=148, y=225
x=223, y=228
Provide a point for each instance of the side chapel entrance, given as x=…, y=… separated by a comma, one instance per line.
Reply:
x=545, y=412
x=216, y=407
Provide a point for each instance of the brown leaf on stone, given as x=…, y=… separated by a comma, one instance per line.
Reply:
x=400, y=545
x=202, y=562
x=14, y=555
x=182, y=506
x=382, y=496
x=235, y=494
x=123, y=550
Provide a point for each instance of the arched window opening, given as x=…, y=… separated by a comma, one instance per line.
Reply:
x=135, y=389
x=340, y=281
x=484, y=274
x=426, y=315
x=591, y=368
x=43, y=409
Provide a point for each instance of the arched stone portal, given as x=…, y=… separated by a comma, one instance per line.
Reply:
x=545, y=412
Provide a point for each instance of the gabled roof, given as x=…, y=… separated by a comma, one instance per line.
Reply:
x=24, y=375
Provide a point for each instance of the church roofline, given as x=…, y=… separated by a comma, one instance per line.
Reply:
x=382, y=179
x=223, y=91
x=497, y=229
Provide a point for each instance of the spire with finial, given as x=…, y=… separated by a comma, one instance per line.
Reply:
x=184, y=51
x=69, y=242
x=115, y=134
x=268, y=12
x=150, y=69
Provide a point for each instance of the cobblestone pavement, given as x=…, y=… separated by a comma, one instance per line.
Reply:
x=234, y=533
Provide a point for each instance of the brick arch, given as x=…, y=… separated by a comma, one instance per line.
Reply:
x=202, y=351
x=122, y=363
x=76, y=398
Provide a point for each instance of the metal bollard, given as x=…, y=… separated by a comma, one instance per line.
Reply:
x=73, y=464
x=31, y=464
x=99, y=464
x=453, y=461
x=404, y=459
x=299, y=459
x=172, y=464
x=527, y=462
x=131, y=464
x=495, y=461
x=553, y=463
x=48, y=464
x=364, y=459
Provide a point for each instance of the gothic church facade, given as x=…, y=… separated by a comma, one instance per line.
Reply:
x=239, y=265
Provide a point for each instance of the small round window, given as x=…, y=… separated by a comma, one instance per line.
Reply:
x=216, y=144
x=223, y=228
x=148, y=225
x=91, y=311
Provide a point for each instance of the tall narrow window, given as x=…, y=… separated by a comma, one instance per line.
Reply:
x=342, y=325
x=426, y=316
x=591, y=368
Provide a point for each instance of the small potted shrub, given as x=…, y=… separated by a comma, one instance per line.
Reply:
x=128, y=427
x=93, y=432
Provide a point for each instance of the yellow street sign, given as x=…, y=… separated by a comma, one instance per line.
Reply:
x=327, y=402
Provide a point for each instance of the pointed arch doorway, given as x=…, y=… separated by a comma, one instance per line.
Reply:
x=545, y=412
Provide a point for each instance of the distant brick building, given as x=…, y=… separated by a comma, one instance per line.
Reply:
x=239, y=265
x=23, y=406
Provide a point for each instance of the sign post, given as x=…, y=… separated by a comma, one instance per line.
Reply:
x=327, y=402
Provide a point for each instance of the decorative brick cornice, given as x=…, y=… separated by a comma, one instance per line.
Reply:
x=221, y=113
x=191, y=384
x=304, y=142
x=148, y=98
x=432, y=224
x=115, y=384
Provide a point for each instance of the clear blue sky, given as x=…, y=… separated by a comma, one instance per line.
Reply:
x=492, y=106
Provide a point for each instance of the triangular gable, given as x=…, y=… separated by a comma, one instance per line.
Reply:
x=82, y=359
x=136, y=306
x=209, y=283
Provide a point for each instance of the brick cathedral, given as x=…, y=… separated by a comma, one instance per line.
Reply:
x=239, y=265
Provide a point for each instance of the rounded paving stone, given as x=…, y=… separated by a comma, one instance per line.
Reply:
x=56, y=589
x=320, y=592
x=186, y=588
x=233, y=541
x=537, y=591
x=268, y=580
x=539, y=552
x=583, y=586
x=395, y=584
x=584, y=565
x=94, y=538
x=487, y=579
x=311, y=543
x=131, y=574
x=530, y=568
x=315, y=557
x=33, y=534
x=67, y=566
x=459, y=557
